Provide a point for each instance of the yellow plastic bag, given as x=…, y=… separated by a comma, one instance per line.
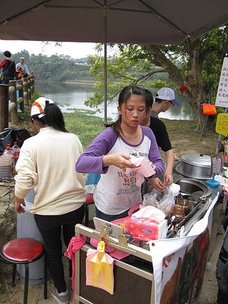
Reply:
x=99, y=268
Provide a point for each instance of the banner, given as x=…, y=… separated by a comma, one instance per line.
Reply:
x=179, y=263
x=222, y=93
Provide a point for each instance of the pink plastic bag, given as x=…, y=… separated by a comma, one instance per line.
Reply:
x=147, y=224
x=144, y=229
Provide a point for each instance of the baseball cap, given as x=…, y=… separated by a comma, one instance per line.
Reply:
x=168, y=94
x=39, y=105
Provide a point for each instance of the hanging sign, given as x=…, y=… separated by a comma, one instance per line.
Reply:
x=222, y=124
x=222, y=93
x=216, y=163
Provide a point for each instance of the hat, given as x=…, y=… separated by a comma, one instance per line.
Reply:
x=39, y=105
x=168, y=94
x=7, y=54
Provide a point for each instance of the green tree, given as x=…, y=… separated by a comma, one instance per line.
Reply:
x=196, y=63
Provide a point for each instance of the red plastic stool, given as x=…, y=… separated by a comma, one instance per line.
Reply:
x=24, y=251
x=89, y=201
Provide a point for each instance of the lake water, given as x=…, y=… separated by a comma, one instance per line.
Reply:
x=73, y=96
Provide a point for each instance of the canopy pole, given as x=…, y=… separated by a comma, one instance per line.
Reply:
x=105, y=62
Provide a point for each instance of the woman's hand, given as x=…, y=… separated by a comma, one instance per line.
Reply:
x=120, y=160
x=18, y=205
x=156, y=183
x=168, y=179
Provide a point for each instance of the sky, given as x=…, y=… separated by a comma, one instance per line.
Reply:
x=73, y=49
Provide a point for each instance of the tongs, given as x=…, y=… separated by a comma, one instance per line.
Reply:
x=173, y=230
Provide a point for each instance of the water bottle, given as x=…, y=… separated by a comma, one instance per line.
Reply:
x=15, y=151
x=15, y=155
x=8, y=150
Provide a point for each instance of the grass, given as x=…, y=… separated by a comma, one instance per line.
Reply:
x=181, y=132
x=85, y=124
x=87, y=127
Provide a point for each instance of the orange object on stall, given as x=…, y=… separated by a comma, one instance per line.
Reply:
x=209, y=109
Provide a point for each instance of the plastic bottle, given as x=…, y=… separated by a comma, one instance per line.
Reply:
x=15, y=151
x=15, y=155
x=8, y=150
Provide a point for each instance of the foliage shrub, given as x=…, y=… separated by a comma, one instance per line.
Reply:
x=86, y=126
x=83, y=123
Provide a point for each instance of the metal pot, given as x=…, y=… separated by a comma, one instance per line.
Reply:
x=196, y=166
x=194, y=189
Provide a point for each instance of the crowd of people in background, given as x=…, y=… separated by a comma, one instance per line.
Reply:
x=8, y=67
x=12, y=71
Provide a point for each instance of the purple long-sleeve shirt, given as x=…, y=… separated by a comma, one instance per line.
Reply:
x=116, y=190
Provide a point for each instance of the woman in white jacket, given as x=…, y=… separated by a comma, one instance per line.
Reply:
x=46, y=163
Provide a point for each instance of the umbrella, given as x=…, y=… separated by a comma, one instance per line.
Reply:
x=110, y=21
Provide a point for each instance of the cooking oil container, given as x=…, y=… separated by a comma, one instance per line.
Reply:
x=5, y=166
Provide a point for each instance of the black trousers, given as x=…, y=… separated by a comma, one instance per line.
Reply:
x=110, y=217
x=222, y=272
x=51, y=228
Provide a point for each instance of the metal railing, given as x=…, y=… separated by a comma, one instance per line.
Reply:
x=13, y=97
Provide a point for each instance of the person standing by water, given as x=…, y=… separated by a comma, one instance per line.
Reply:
x=165, y=98
x=46, y=163
x=8, y=68
x=22, y=68
x=110, y=153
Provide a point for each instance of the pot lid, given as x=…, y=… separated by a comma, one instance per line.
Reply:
x=200, y=160
x=180, y=170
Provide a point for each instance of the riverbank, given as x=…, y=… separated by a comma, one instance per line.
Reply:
x=86, y=82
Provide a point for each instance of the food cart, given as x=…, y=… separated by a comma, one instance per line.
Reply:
x=161, y=271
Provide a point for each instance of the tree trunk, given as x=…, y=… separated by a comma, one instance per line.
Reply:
x=194, y=81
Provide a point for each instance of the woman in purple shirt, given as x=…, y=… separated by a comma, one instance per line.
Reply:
x=110, y=153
